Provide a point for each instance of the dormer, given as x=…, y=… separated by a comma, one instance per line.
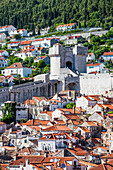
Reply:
x=15, y=65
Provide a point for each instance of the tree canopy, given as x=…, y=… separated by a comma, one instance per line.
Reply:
x=30, y=13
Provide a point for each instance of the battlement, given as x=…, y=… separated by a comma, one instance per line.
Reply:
x=80, y=50
x=54, y=51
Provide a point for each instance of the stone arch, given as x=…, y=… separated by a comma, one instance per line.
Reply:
x=69, y=64
x=71, y=86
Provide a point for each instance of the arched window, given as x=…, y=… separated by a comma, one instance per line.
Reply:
x=44, y=147
x=49, y=147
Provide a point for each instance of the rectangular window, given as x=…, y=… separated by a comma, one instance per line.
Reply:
x=25, y=141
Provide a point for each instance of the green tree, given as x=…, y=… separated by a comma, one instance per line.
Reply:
x=41, y=64
x=70, y=105
x=9, y=112
x=17, y=36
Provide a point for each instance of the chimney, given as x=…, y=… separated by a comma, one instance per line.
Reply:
x=102, y=112
x=73, y=110
x=70, y=144
x=45, y=154
x=57, y=96
x=27, y=162
x=79, y=134
x=67, y=122
x=15, y=156
x=80, y=109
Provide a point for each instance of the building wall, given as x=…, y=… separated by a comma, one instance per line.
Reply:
x=95, y=84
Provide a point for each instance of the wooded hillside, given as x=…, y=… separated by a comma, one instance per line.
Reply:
x=27, y=13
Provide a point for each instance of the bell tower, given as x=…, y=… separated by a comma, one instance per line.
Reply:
x=55, y=61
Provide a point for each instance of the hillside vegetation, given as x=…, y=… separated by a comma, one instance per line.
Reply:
x=28, y=13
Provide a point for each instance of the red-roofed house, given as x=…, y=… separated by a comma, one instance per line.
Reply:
x=66, y=27
x=22, y=32
x=13, y=45
x=90, y=57
x=16, y=69
x=7, y=28
x=45, y=58
x=107, y=56
x=44, y=42
x=25, y=43
x=27, y=51
x=4, y=53
x=97, y=67
x=2, y=36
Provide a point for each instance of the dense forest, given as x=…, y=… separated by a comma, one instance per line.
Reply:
x=30, y=13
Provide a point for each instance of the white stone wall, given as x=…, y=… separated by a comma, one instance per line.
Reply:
x=98, y=84
x=55, y=66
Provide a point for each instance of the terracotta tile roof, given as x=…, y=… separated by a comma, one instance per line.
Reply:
x=20, y=30
x=32, y=159
x=7, y=26
x=36, y=122
x=26, y=150
x=91, y=123
x=88, y=163
x=30, y=102
x=74, y=117
x=14, y=42
x=78, y=151
x=25, y=42
x=66, y=25
x=56, y=100
x=96, y=64
x=2, y=123
x=3, y=166
x=110, y=156
x=90, y=54
x=37, y=128
x=1, y=51
x=9, y=148
x=40, y=98
x=49, y=38
x=42, y=39
x=16, y=65
x=108, y=53
x=84, y=129
x=103, y=167
x=57, y=128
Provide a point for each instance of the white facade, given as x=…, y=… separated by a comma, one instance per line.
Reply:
x=90, y=57
x=3, y=62
x=21, y=114
x=2, y=36
x=13, y=45
x=44, y=42
x=91, y=84
x=24, y=54
x=24, y=72
x=65, y=27
x=4, y=53
x=71, y=41
x=7, y=28
x=99, y=68
x=22, y=32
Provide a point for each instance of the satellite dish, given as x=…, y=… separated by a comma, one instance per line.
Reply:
x=55, y=160
x=63, y=165
x=51, y=160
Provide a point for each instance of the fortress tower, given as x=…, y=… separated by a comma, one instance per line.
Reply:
x=65, y=60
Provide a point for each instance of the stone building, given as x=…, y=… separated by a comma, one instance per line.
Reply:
x=66, y=65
